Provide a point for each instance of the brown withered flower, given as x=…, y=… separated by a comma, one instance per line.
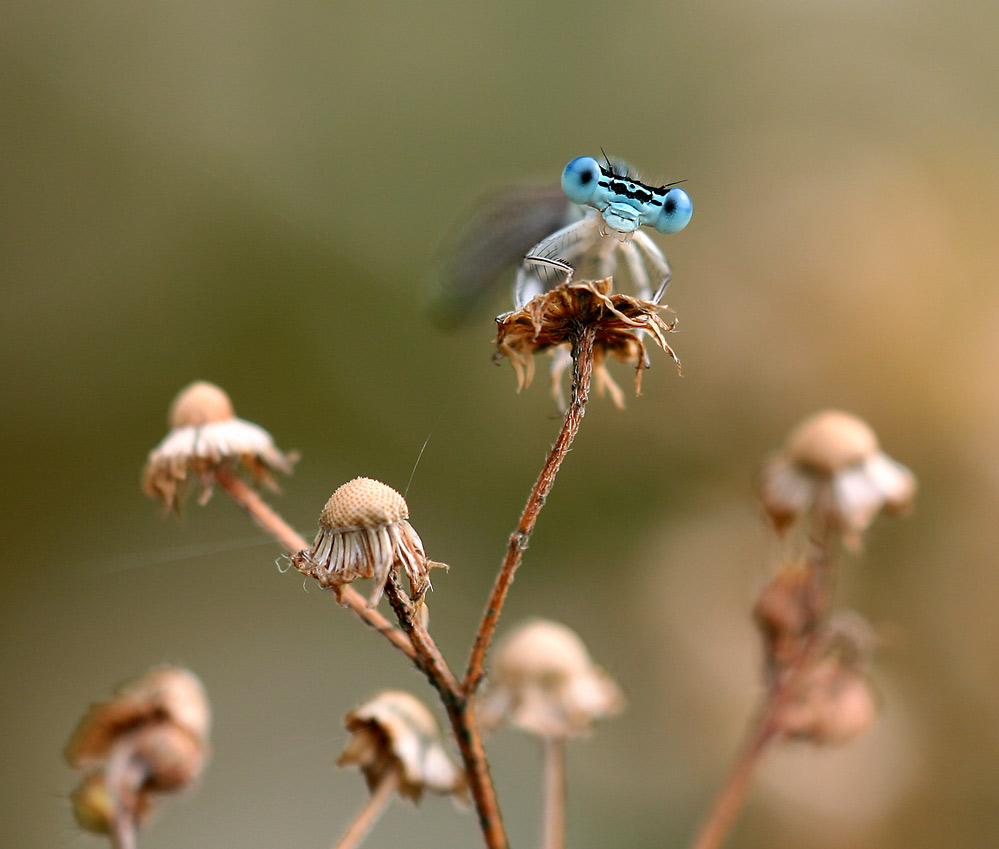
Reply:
x=364, y=532
x=553, y=320
x=544, y=682
x=395, y=736
x=832, y=468
x=834, y=700
x=204, y=436
x=151, y=737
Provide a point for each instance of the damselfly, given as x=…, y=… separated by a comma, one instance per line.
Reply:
x=557, y=233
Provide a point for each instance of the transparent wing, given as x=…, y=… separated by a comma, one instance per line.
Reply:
x=498, y=232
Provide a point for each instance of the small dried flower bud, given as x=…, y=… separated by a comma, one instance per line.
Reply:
x=164, y=695
x=364, y=532
x=151, y=737
x=544, y=682
x=834, y=704
x=396, y=732
x=171, y=756
x=93, y=805
x=205, y=435
x=831, y=467
x=785, y=612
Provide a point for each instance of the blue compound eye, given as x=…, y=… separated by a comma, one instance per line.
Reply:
x=579, y=179
x=676, y=211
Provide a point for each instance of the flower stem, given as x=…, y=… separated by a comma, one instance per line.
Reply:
x=262, y=513
x=460, y=713
x=372, y=809
x=553, y=828
x=783, y=687
x=582, y=371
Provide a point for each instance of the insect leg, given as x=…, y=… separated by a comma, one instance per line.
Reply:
x=658, y=262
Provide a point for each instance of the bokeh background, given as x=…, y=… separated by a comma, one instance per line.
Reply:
x=253, y=193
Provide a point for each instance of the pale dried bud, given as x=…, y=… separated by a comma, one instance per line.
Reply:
x=151, y=737
x=396, y=732
x=205, y=435
x=832, y=468
x=93, y=804
x=785, y=612
x=364, y=532
x=164, y=695
x=834, y=704
x=544, y=682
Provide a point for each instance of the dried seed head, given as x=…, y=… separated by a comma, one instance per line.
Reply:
x=151, y=737
x=832, y=469
x=834, y=704
x=164, y=695
x=544, y=682
x=831, y=441
x=205, y=436
x=554, y=320
x=395, y=731
x=199, y=404
x=363, y=503
x=364, y=532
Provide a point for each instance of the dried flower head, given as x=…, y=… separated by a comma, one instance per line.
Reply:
x=364, y=532
x=151, y=737
x=834, y=704
x=164, y=695
x=832, y=468
x=544, y=682
x=396, y=733
x=204, y=436
x=552, y=321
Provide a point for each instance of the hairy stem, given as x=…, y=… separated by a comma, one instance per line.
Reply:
x=582, y=371
x=262, y=513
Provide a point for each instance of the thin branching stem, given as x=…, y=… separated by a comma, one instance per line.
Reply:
x=582, y=357
x=460, y=713
x=265, y=516
x=783, y=688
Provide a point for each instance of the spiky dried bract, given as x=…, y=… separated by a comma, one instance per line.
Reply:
x=364, y=532
x=395, y=731
x=151, y=737
x=544, y=682
x=205, y=435
x=553, y=320
x=831, y=467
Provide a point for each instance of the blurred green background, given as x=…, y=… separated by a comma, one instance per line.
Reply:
x=252, y=193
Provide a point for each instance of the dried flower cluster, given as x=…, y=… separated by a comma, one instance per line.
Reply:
x=552, y=322
x=833, y=480
x=150, y=738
